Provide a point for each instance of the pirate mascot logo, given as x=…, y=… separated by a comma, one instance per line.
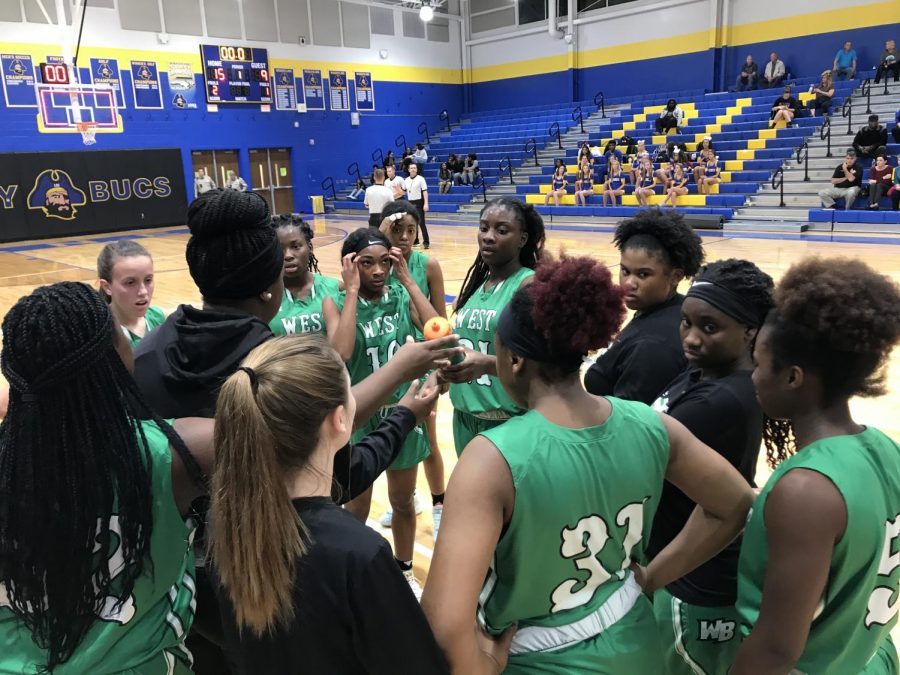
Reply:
x=55, y=194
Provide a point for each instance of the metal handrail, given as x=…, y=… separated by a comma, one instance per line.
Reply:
x=378, y=157
x=423, y=129
x=866, y=90
x=508, y=167
x=847, y=111
x=400, y=141
x=779, y=174
x=554, y=129
x=533, y=149
x=804, y=159
x=354, y=169
x=445, y=117
x=483, y=185
x=598, y=101
x=578, y=116
x=328, y=184
x=825, y=134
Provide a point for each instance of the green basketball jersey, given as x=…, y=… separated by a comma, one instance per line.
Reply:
x=145, y=636
x=475, y=324
x=585, y=500
x=153, y=318
x=417, y=264
x=304, y=316
x=859, y=606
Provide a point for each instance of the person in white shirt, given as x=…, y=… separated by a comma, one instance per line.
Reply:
x=377, y=196
x=420, y=156
x=203, y=183
x=417, y=193
x=773, y=74
x=395, y=183
x=235, y=182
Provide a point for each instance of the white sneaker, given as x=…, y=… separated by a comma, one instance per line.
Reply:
x=388, y=517
x=410, y=576
x=436, y=512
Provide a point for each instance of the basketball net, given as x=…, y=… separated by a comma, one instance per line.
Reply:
x=88, y=132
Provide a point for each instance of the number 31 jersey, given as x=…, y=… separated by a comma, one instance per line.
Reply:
x=861, y=600
x=585, y=501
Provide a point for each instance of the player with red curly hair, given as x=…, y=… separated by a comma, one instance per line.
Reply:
x=819, y=570
x=546, y=513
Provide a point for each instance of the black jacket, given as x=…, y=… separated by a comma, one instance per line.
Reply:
x=866, y=136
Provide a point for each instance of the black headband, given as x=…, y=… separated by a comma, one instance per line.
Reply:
x=521, y=338
x=366, y=242
x=728, y=302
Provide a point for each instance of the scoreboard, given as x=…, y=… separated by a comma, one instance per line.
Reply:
x=235, y=74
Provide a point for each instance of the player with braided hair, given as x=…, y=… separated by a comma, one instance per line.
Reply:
x=819, y=572
x=304, y=287
x=510, y=243
x=95, y=554
x=658, y=250
x=714, y=398
x=546, y=513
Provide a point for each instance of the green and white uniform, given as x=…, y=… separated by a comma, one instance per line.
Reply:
x=482, y=404
x=304, y=316
x=418, y=270
x=153, y=318
x=585, y=501
x=146, y=635
x=381, y=328
x=852, y=624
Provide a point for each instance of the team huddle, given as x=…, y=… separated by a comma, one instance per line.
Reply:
x=189, y=493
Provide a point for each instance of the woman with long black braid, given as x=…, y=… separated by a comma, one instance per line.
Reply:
x=95, y=554
x=510, y=243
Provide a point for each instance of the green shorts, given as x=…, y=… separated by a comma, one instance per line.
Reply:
x=415, y=449
x=466, y=427
x=885, y=660
x=696, y=640
x=628, y=647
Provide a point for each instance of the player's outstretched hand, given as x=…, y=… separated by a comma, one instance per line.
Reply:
x=417, y=358
x=496, y=648
x=420, y=399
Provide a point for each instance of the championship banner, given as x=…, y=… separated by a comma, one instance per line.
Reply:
x=55, y=194
x=338, y=90
x=285, y=90
x=18, y=80
x=313, y=90
x=182, y=86
x=106, y=72
x=145, y=85
x=365, y=92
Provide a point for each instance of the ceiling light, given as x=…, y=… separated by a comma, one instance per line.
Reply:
x=426, y=13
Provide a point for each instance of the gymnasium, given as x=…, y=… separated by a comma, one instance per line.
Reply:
x=173, y=155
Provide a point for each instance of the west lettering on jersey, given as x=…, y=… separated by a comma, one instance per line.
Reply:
x=719, y=630
x=476, y=319
x=309, y=323
x=381, y=325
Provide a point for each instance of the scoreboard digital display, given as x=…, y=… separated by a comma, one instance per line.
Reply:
x=235, y=74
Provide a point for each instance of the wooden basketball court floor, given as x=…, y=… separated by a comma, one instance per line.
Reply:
x=26, y=265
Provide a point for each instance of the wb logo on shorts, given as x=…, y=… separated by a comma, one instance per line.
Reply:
x=716, y=631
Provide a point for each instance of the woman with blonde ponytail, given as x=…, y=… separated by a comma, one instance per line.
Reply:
x=304, y=586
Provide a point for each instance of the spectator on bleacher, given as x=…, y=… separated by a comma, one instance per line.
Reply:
x=670, y=118
x=888, y=63
x=445, y=178
x=628, y=144
x=615, y=182
x=394, y=182
x=666, y=172
x=880, y=180
x=584, y=153
x=746, y=81
x=203, y=183
x=677, y=186
x=871, y=140
x=455, y=164
x=644, y=181
x=417, y=193
x=636, y=163
x=824, y=92
x=420, y=156
x=558, y=184
x=773, y=74
x=784, y=108
x=372, y=175
x=895, y=132
x=584, y=183
x=640, y=149
x=470, y=169
x=845, y=183
x=406, y=160
x=611, y=151
x=844, y=67
x=712, y=175
x=377, y=196
x=390, y=161
x=359, y=190
x=700, y=165
x=235, y=182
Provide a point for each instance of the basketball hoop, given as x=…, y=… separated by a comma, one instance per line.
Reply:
x=88, y=131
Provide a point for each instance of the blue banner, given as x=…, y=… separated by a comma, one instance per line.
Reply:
x=285, y=91
x=182, y=86
x=338, y=90
x=313, y=90
x=145, y=84
x=105, y=72
x=365, y=92
x=18, y=80
x=301, y=96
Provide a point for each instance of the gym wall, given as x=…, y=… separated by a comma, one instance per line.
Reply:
x=665, y=45
x=420, y=77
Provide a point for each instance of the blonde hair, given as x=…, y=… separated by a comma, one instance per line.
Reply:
x=268, y=418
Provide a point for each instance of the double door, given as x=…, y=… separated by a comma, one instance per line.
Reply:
x=216, y=163
x=272, y=179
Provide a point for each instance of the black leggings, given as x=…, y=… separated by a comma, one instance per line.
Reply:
x=420, y=207
x=663, y=124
